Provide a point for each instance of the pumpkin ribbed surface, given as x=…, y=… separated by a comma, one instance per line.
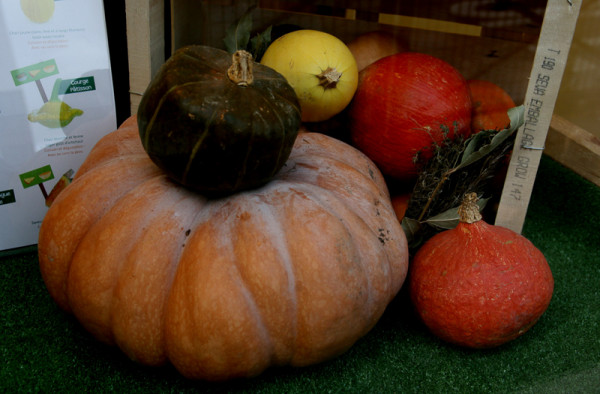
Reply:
x=292, y=273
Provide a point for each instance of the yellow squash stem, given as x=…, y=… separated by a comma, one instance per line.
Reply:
x=329, y=78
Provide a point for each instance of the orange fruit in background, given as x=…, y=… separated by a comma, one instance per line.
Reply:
x=369, y=47
x=490, y=105
x=400, y=204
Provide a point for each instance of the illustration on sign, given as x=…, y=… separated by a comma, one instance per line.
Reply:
x=54, y=113
x=37, y=177
x=43, y=174
x=38, y=11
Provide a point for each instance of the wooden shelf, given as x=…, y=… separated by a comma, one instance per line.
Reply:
x=575, y=148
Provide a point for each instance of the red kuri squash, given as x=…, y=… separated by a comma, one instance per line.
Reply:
x=291, y=273
x=479, y=285
x=403, y=104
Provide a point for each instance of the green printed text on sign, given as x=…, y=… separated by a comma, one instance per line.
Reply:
x=7, y=196
x=37, y=176
x=77, y=85
x=34, y=72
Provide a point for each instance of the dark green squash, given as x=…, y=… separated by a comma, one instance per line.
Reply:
x=218, y=123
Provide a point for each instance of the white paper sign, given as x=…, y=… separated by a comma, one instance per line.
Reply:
x=56, y=102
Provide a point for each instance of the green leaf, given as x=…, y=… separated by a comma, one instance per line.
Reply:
x=474, y=143
x=411, y=227
x=471, y=155
x=259, y=43
x=449, y=219
x=237, y=35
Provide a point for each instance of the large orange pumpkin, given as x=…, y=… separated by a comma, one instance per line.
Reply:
x=291, y=273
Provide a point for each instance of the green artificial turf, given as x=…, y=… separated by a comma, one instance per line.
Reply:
x=45, y=350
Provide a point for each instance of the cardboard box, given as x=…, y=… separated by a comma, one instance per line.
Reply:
x=514, y=47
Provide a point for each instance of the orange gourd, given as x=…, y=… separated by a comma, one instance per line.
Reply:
x=490, y=112
x=479, y=285
x=400, y=204
x=404, y=104
x=291, y=273
x=490, y=106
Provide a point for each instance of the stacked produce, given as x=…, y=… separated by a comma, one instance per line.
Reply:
x=219, y=248
x=236, y=238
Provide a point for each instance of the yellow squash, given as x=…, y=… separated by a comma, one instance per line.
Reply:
x=319, y=67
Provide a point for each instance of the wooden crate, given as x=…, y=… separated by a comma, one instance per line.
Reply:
x=485, y=50
x=508, y=46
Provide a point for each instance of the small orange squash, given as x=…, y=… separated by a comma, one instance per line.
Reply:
x=291, y=273
x=405, y=103
x=400, y=204
x=479, y=285
x=490, y=106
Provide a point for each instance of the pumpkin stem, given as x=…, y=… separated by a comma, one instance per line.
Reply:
x=468, y=212
x=329, y=78
x=240, y=71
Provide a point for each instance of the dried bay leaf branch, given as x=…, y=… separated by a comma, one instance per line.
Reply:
x=451, y=173
x=449, y=219
x=517, y=117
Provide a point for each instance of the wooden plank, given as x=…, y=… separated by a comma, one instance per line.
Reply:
x=430, y=24
x=475, y=57
x=145, y=44
x=544, y=82
x=575, y=148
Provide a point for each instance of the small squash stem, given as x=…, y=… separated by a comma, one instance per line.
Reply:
x=468, y=211
x=329, y=78
x=240, y=71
